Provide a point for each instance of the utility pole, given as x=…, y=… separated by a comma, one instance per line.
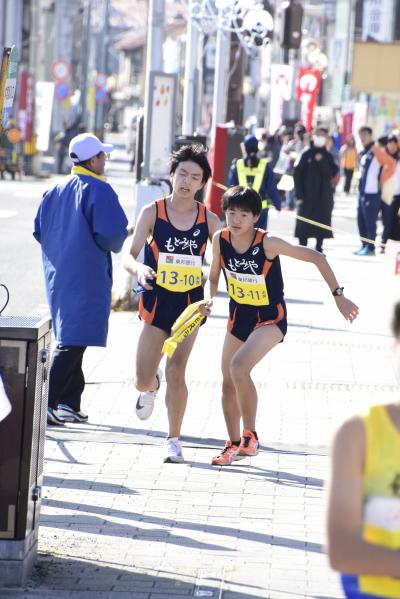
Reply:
x=191, y=76
x=102, y=50
x=154, y=62
x=85, y=60
x=221, y=55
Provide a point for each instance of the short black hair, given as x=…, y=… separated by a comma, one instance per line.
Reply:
x=365, y=129
x=396, y=321
x=194, y=153
x=244, y=198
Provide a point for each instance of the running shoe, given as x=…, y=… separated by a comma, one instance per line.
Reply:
x=228, y=455
x=53, y=418
x=68, y=414
x=145, y=401
x=249, y=444
x=173, y=451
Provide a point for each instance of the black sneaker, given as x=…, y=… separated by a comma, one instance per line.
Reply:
x=67, y=414
x=53, y=418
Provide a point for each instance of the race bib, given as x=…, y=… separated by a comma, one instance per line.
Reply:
x=247, y=288
x=178, y=272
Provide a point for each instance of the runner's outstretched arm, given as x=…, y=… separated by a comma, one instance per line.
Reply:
x=275, y=246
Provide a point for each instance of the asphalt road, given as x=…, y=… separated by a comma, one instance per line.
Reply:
x=20, y=256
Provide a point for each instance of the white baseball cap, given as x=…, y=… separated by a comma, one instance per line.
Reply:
x=86, y=145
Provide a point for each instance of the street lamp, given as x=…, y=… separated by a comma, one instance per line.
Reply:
x=250, y=22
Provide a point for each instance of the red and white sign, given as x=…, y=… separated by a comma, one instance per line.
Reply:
x=25, y=105
x=347, y=120
x=61, y=70
x=281, y=90
x=307, y=89
x=397, y=264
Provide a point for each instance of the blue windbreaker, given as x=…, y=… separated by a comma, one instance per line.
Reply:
x=78, y=223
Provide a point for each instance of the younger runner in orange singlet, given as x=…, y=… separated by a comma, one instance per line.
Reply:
x=174, y=231
x=257, y=314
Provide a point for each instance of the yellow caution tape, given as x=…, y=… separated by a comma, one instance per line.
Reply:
x=184, y=326
x=308, y=220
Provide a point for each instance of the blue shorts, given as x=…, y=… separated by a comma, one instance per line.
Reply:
x=244, y=319
x=160, y=307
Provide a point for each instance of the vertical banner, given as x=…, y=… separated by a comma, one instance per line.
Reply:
x=281, y=91
x=8, y=83
x=161, y=132
x=347, y=119
x=25, y=106
x=307, y=88
x=44, y=108
x=378, y=21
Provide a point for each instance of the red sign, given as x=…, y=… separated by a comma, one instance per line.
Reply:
x=397, y=264
x=61, y=70
x=25, y=106
x=307, y=89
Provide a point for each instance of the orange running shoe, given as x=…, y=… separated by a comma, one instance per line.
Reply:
x=249, y=444
x=227, y=456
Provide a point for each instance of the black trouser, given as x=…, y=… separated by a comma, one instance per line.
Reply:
x=348, y=175
x=66, y=380
x=318, y=246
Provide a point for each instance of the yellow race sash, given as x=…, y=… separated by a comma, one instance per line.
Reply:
x=179, y=272
x=184, y=326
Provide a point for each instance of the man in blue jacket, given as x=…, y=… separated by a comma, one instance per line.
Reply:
x=78, y=224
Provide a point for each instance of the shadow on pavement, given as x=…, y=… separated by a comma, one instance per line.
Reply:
x=58, y=578
x=168, y=526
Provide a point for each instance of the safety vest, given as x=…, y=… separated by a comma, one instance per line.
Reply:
x=257, y=173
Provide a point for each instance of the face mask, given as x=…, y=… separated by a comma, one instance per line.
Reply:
x=319, y=141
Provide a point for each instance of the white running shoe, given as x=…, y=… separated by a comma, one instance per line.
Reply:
x=173, y=451
x=145, y=401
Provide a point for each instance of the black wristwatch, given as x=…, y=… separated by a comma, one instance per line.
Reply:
x=338, y=291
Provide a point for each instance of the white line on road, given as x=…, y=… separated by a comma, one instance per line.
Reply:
x=8, y=213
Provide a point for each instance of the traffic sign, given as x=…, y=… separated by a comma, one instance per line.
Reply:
x=101, y=95
x=62, y=90
x=14, y=135
x=101, y=80
x=61, y=70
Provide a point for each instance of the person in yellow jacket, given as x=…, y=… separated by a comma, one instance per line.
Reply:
x=252, y=171
x=364, y=500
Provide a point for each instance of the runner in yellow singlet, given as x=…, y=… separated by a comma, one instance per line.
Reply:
x=364, y=500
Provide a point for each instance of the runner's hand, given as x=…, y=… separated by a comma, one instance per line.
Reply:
x=206, y=310
x=145, y=275
x=347, y=308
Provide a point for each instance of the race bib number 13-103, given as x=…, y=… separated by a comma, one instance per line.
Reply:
x=179, y=272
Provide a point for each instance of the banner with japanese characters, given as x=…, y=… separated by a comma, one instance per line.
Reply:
x=307, y=89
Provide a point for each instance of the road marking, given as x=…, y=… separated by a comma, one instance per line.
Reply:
x=8, y=213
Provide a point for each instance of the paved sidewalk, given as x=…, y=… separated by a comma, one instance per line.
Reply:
x=118, y=523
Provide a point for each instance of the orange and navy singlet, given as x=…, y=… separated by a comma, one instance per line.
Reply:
x=254, y=285
x=177, y=257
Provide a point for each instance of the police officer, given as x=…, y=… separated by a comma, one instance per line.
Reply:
x=254, y=172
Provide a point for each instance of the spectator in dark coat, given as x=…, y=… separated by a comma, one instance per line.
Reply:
x=313, y=177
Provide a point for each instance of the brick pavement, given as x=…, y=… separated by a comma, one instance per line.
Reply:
x=118, y=523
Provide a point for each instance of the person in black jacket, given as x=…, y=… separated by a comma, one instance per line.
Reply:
x=313, y=177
